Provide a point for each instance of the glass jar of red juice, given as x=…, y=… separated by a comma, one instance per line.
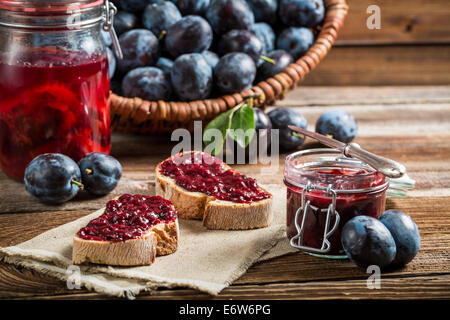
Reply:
x=325, y=189
x=54, y=81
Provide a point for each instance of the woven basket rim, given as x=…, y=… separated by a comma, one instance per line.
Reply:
x=136, y=114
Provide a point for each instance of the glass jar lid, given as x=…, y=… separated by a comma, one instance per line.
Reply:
x=329, y=169
x=53, y=15
x=40, y=6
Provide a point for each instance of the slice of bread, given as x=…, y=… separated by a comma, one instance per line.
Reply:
x=133, y=252
x=215, y=213
x=161, y=239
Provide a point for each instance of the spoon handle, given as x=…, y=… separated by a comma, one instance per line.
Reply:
x=386, y=166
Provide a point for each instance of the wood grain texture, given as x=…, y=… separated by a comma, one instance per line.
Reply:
x=435, y=287
x=410, y=124
x=383, y=65
x=366, y=95
x=412, y=46
x=402, y=21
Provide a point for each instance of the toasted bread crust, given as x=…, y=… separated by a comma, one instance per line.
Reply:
x=133, y=252
x=190, y=205
x=167, y=235
x=215, y=214
x=223, y=215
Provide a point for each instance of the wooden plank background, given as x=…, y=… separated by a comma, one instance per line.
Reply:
x=411, y=48
x=408, y=124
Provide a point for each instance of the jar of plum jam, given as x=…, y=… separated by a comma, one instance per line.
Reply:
x=54, y=81
x=325, y=189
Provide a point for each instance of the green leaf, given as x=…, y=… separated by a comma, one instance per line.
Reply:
x=222, y=123
x=215, y=145
x=242, y=126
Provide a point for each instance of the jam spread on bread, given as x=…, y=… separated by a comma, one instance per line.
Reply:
x=201, y=172
x=129, y=217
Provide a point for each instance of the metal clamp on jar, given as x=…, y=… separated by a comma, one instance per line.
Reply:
x=331, y=212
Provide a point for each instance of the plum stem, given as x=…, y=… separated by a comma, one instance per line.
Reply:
x=267, y=59
x=295, y=134
x=88, y=171
x=79, y=184
x=162, y=35
x=250, y=102
x=259, y=96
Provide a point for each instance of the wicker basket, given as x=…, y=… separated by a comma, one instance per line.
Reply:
x=134, y=115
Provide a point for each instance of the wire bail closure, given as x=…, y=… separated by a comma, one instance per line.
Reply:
x=108, y=26
x=305, y=208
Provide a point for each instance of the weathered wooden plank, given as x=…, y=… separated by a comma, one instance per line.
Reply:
x=426, y=287
x=402, y=21
x=18, y=282
x=383, y=65
x=19, y=227
x=436, y=287
x=360, y=96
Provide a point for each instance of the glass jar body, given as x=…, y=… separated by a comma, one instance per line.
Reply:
x=54, y=90
x=357, y=188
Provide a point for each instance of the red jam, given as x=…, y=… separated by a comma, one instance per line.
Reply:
x=129, y=217
x=200, y=172
x=348, y=205
x=52, y=103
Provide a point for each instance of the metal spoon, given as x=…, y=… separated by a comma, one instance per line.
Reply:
x=388, y=167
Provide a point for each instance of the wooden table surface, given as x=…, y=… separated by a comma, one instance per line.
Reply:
x=408, y=124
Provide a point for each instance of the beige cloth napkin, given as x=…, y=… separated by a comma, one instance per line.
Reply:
x=206, y=260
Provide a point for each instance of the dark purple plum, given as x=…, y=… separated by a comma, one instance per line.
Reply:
x=115, y=86
x=264, y=10
x=124, y=21
x=135, y=6
x=296, y=41
x=100, y=173
x=192, y=77
x=148, y=83
x=265, y=34
x=165, y=65
x=158, y=17
x=191, y=34
x=235, y=72
x=226, y=15
x=241, y=41
x=338, y=123
x=263, y=127
x=52, y=178
x=367, y=241
x=405, y=233
x=197, y=7
x=281, y=118
x=281, y=58
x=211, y=58
x=116, y=3
x=140, y=48
x=301, y=13
x=111, y=62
